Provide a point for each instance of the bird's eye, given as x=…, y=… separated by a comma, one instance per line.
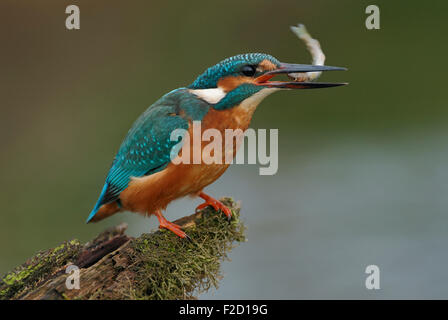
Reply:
x=248, y=70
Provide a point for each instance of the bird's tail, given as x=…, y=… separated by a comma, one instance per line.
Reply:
x=98, y=204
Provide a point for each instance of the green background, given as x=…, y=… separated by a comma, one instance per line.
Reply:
x=362, y=174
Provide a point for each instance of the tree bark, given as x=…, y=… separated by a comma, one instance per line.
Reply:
x=158, y=265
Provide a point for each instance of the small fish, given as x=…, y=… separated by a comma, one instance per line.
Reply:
x=313, y=46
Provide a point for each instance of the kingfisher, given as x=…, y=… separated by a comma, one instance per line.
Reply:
x=144, y=179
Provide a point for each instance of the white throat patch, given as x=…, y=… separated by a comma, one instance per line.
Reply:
x=211, y=95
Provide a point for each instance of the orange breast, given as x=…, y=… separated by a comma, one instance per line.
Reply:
x=146, y=194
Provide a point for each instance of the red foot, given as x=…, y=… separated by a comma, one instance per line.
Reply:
x=216, y=204
x=169, y=225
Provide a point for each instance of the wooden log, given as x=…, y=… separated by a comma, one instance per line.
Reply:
x=158, y=265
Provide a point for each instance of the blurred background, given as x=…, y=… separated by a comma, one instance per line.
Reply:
x=363, y=169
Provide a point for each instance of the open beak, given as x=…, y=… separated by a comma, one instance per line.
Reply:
x=287, y=68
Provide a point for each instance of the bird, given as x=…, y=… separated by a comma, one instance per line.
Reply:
x=144, y=179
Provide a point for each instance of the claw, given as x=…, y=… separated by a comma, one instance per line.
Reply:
x=165, y=224
x=202, y=206
x=175, y=229
x=216, y=204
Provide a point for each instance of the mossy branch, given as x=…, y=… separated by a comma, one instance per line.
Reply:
x=158, y=265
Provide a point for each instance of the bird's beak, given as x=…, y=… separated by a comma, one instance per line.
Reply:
x=287, y=68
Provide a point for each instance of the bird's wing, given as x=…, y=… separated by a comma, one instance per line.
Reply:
x=146, y=148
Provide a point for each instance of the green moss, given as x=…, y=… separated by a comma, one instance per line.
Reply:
x=174, y=268
x=37, y=268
